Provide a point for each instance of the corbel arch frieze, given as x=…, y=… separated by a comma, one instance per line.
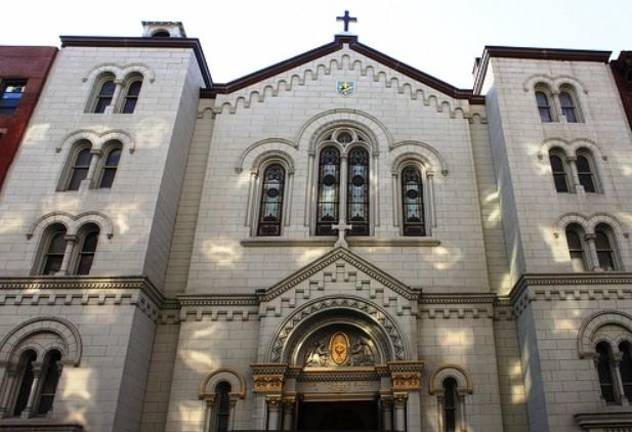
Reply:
x=280, y=348
x=66, y=330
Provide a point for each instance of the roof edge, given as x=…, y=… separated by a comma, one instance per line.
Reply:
x=143, y=42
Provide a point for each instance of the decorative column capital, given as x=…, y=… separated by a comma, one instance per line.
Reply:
x=71, y=238
x=268, y=378
x=399, y=398
x=274, y=402
x=406, y=375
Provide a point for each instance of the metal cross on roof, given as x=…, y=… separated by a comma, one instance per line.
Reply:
x=347, y=19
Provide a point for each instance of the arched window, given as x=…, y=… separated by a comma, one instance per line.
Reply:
x=81, y=157
x=110, y=164
x=605, y=250
x=586, y=171
x=271, y=204
x=576, y=247
x=625, y=368
x=88, y=240
x=328, y=191
x=161, y=34
x=51, y=370
x=104, y=96
x=131, y=94
x=450, y=405
x=606, y=377
x=221, y=411
x=25, y=381
x=559, y=170
x=358, y=191
x=544, y=106
x=54, y=247
x=412, y=202
x=567, y=104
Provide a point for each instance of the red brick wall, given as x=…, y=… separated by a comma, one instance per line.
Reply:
x=622, y=70
x=31, y=64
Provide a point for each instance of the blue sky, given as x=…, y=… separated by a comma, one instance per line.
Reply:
x=441, y=38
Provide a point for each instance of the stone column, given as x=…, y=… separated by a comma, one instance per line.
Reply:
x=342, y=205
x=71, y=241
x=94, y=161
x=572, y=167
x=461, y=419
x=396, y=195
x=399, y=411
x=288, y=413
x=274, y=410
x=8, y=386
x=619, y=392
x=117, y=91
x=311, y=185
x=387, y=413
x=431, y=201
x=30, y=405
x=593, y=259
x=252, y=203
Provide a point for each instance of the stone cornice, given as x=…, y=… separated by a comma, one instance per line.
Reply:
x=458, y=298
x=217, y=300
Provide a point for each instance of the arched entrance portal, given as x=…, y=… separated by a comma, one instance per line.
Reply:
x=342, y=368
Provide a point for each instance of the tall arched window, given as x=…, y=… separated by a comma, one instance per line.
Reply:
x=327, y=211
x=221, y=408
x=450, y=405
x=131, y=94
x=605, y=250
x=54, y=247
x=110, y=164
x=88, y=238
x=558, y=168
x=105, y=95
x=586, y=171
x=625, y=368
x=567, y=103
x=80, y=165
x=576, y=247
x=25, y=381
x=606, y=377
x=358, y=191
x=271, y=203
x=544, y=106
x=51, y=370
x=412, y=202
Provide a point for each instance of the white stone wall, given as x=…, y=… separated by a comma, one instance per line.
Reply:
x=141, y=204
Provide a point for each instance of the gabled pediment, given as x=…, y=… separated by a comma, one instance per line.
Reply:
x=349, y=258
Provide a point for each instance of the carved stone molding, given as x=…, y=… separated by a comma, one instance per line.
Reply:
x=268, y=378
x=406, y=375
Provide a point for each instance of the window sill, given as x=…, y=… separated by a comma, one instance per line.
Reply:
x=328, y=241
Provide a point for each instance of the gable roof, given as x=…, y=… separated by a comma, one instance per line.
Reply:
x=331, y=257
x=334, y=46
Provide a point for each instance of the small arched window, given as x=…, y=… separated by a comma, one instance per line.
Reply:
x=221, y=414
x=358, y=191
x=51, y=370
x=567, y=104
x=25, y=381
x=105, y=94
x=54, y=243
x=625, y=368
x=544, y=106
x=328, y=191
x=88, y=240
x=576, y=247
x=161, y=34
x=450, y=405
x=110, y=164
x=606, y=377
x=412, y=202
x=271, y=203
x=586, y=171
x=604, y=241
x=131, y=94
x=559, y=170
x=81, y=158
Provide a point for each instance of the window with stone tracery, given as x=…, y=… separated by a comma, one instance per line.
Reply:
x=271, y=205
x=412, y=202
x=328, y=191
x=358, y=191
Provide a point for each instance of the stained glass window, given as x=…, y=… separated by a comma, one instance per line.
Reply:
x=328, y=191
x=412, y=202
x=271, y=209
x=358, y=191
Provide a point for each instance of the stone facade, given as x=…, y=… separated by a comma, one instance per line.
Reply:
x=189, y=320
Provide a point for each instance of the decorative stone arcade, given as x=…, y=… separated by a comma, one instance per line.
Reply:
x=338, y=355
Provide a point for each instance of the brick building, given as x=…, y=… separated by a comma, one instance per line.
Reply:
x=336, y=242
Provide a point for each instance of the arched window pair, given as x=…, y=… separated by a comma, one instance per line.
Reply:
x=108, y=90
x=56, y=244
x=614, y=371
x=82, y=158
x=568, y=104
x=568, y=172
x=605, y=257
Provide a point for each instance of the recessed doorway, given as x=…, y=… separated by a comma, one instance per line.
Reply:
x=337, y=416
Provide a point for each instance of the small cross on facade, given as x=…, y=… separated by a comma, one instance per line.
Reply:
x=342, y=227
x=347, y=19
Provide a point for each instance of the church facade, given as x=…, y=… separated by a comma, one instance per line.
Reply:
x=336, y=242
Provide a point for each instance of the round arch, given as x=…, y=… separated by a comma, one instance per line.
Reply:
x=586, y=333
